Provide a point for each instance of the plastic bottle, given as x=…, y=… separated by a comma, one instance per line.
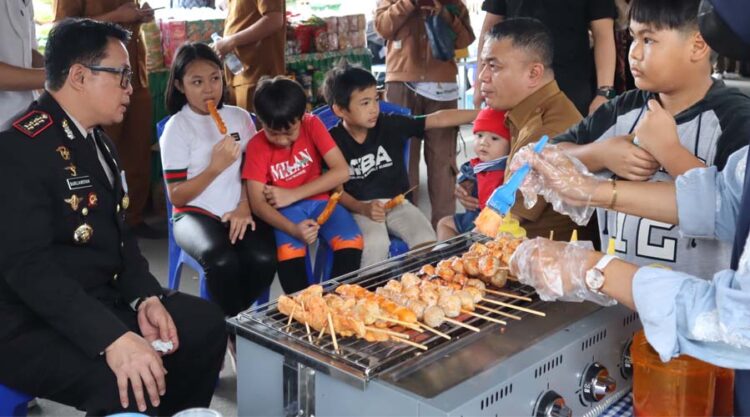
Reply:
x=230, y=60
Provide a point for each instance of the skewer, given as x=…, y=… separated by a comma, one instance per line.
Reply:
x=482, y=316
x=388, y=332
x=502, y=313
x=437, y=332
x=333, y=333
x=307, y=326
x=508, y=294
x=403, y=323
x=322, y=332
x=464, y=325
x=551, y=235
x=291, y=316
x=519, y=308
x=410, y=343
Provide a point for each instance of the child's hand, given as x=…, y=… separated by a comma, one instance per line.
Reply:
x=629, y=161
x=279, y=197
x=465, y=198
x=375, y=210
x=238, y=219
x=224, y=154
x=657, y=131
x=307, y=231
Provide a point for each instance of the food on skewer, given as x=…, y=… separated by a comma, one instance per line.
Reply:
x=399, y=199
x=328, y=210
x=216, y=116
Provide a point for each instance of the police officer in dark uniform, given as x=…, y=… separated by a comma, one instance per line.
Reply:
x=82, y=317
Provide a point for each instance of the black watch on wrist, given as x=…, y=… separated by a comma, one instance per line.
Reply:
x=607, y=92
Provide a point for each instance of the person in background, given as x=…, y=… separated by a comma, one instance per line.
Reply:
x=288, y=188
x=132, y=136
x=84, y=321
x=256, y=31
x=586, y=77
x=425, y=84
x=373, y=146
x=21, y=64
x=481, y=175
x=212, y=217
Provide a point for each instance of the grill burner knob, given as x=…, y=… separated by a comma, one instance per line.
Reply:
x=597, y=383
x=626, y=364
x=552, y=404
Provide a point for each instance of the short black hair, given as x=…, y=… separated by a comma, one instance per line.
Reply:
x=77, y=41
x=679, y=15
x=187, y=53
x=343, y=80
x=279, y=102
x=528, y=34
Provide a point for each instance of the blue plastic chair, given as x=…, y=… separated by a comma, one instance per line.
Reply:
x=13, y=403
x=329, y=119
x=178, y=257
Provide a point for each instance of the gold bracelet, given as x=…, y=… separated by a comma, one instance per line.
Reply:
x=613, y=200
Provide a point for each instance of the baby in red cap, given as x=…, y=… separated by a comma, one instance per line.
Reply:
x=481, y=175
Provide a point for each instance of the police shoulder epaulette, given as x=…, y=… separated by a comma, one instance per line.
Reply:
x=33, y=123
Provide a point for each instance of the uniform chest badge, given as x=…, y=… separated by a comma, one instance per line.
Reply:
x=125, y=202
x=83, y=234
x=64, y=152
x=72, y=169
x=74, y=201
x=67, y=129
x=33, y=123
x=93, y=199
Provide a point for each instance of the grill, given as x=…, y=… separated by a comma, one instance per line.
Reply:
x=279, y=366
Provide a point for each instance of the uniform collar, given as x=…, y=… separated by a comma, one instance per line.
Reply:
x=520, y=114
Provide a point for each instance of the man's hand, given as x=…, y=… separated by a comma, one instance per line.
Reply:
x=127, y=13
x=307, y=231
x=465, y=198
x=596, y=103
x=224, y=46
x=375, y=210
x=657, y=131
x=239, y=219
x=155, y=322
x=135, y=363
x=629, y=161
x=279, y=197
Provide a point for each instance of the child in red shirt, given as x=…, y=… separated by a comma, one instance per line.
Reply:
x=481, y=175
x=286, y=185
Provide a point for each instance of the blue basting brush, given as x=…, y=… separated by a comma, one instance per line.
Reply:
x=503, y=198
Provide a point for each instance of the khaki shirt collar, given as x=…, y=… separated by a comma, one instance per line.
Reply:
x=519, y=115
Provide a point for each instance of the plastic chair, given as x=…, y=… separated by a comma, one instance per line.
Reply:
x=13, y=403
x=178, y=257
x=329, y=119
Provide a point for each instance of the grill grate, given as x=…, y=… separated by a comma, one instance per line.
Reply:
x=368, y=359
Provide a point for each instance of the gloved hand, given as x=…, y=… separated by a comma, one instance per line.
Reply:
x=562, y=180
x=557, y=270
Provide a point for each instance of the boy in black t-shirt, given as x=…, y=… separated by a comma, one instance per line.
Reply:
x=373, y=145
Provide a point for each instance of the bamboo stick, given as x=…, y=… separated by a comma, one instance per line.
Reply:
x=482, y=316
x=508, y=294
x=502, y=313
x=519, y=308
x=401, y=322
x=386, y=331
x=437, y=332
x=410, y=343
x=464, y=325
x=307, y=326
x=333, y=333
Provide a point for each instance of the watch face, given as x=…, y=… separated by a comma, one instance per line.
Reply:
x=594, y=279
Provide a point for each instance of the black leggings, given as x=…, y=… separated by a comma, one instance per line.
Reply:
x=237, y=274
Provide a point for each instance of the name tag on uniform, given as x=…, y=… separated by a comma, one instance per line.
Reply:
x=236, y=136
x=77, y=183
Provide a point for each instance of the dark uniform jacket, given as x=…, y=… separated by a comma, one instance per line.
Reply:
x=54, y=184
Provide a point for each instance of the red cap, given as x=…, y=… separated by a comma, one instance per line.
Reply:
x=493, y=121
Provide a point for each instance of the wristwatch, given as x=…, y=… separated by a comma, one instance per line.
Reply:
x=595, y=276
x=607, y=92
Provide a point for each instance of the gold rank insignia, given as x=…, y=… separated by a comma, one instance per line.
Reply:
x=74, y=201
x=72, y=169
x=83, y=233
x=33, y=123
x=93, y=199
x=67, y=129
x=125, y=202
x=64, y=152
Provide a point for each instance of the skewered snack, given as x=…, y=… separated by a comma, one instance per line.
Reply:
x=399, y=199
x=328, y=210
x=216, y=116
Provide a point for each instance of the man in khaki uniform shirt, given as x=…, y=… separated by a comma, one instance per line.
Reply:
x=517, y=77
x=133, y=136
x=255, y=30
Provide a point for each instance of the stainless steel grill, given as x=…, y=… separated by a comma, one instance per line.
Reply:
x=522, y=368
x=366, y=360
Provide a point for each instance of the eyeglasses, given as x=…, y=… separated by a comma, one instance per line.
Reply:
x=126, y=74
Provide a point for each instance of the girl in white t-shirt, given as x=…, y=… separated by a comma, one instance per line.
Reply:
x=212, y=218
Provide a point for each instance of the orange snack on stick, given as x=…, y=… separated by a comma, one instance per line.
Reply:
x=328, y=210
x=399, y=199
x=216, y=116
